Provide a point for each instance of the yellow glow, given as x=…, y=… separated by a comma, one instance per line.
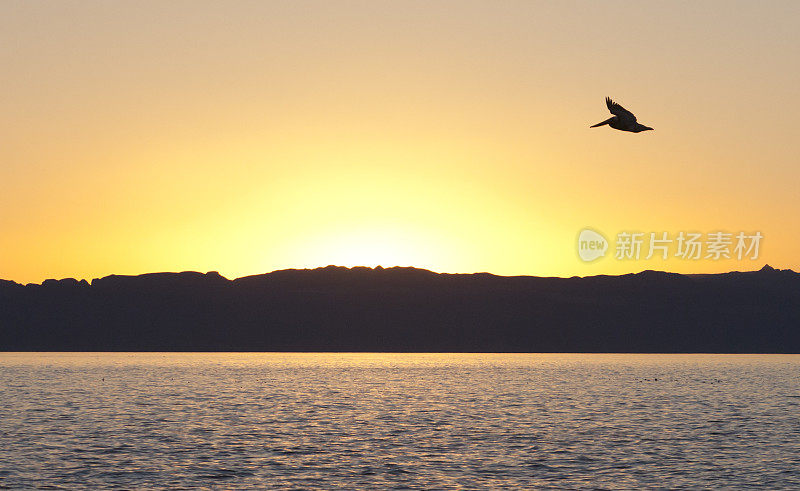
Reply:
x=368, y=247
x=452, y=137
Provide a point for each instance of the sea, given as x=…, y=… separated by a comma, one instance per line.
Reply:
x=398, y=421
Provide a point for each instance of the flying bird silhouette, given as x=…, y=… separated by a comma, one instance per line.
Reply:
x=622, y=119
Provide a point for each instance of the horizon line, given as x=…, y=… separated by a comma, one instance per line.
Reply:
x=766, y=267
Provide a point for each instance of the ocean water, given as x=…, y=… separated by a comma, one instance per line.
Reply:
x=398, y=421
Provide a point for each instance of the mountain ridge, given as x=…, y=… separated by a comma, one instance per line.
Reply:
x=69, y=280
x=336, y=308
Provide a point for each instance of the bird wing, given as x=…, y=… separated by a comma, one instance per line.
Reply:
x=620, y=112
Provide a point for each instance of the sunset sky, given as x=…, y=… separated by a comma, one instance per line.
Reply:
x=245, y=137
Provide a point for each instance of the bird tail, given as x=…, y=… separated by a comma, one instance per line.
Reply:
x=604, y=122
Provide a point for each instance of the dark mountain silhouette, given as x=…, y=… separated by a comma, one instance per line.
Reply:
x=406, y=309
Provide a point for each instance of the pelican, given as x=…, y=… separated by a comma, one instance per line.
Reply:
x=622, y=119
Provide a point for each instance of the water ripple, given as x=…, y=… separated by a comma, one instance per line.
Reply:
x=398, y=421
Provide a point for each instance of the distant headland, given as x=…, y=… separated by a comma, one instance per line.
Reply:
x=406, y=309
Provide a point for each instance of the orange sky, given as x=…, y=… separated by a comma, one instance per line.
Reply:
x=246, y=137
